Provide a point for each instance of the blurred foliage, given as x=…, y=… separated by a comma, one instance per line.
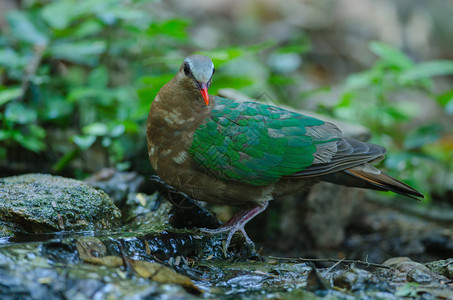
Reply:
x=92, y=68
x=67, y=64
x=82, y=65
x=380, y=99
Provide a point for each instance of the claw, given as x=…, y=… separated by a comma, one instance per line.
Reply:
x=237, y=223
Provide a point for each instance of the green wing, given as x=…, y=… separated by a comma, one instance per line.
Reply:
x=258, y=144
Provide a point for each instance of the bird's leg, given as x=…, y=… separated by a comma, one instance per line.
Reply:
x=186, y=211
x=237, y=223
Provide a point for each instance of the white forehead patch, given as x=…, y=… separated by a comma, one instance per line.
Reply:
x=201, y=67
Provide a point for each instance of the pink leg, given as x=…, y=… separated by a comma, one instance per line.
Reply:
x=237, y=223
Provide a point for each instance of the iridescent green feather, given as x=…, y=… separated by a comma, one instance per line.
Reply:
x=254, y=143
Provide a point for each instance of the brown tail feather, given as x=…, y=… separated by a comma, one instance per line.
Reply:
x=383, y=181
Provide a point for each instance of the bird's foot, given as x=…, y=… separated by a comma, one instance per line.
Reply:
x=237, y=223
x=231, y=231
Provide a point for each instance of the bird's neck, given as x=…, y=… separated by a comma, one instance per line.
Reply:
x=178, y=110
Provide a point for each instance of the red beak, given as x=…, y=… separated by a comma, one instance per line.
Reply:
x=204, y=92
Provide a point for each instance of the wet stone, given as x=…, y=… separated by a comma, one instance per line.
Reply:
x=113, y=264
x=116, y=184
x=108, y=267
x=419, y=276
x=28, y=272
x=39, y=203
x=408, y=270
x=146, y=212
x=443, y=267
x=353, y=279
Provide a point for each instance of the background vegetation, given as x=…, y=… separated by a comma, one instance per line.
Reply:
x=77, y=77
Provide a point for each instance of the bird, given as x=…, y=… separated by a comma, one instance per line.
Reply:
x=245, y=154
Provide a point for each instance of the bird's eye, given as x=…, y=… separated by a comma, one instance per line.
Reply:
x=187, y=69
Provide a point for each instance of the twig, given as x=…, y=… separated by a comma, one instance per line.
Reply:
x=31, y=69
x=332, y=260
x=126, y=262
x=335, y=265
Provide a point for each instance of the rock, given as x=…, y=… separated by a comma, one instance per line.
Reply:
x=317, y=219
x=30, y=271
x=381, y=228
x=411, y=271
x=353, y=279
x=39, y=203
x=116, y=184
x=146, y=212
x=326, y=219
x=443, y=267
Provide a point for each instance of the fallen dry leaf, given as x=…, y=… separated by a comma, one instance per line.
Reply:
x=108, y=261
x=90, y=248
x=161, y=273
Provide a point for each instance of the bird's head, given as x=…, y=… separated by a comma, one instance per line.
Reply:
x=199, y=70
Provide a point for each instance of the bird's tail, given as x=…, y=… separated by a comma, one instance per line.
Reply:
x=366, y=176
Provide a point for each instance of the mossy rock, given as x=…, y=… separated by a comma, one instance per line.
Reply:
x=39, y=203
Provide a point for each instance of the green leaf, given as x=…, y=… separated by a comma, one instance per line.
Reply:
x=422, y=136
x=362, y=80
x=23, y=29
x=131, y=127
x=398, y=160
x=319, y=90
x=123, y=13
x=176, y=28
x=18, y=113
x=65, y=160
x=449, y=107
x=99, y=77
x=106, y=142
x=445, y=98
x=60, y=14
x=33, y=140
x=285, y=62
x=428, y=69
x=298, y=48
x=346, y=99
x=254, y=49
x=89, y=27
x=220, y=56
x=9, y=94
x=230, y=82
x=279, y=80
x=391, y=55
x=80, y=94
x=4, y=134
x=56, y=108
x=402, y=110
x=150, y=86
x=395, y=113
x=84, y=52
x=95, y=129
x=84, y=141
x=117, y=130
x=10, y=58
